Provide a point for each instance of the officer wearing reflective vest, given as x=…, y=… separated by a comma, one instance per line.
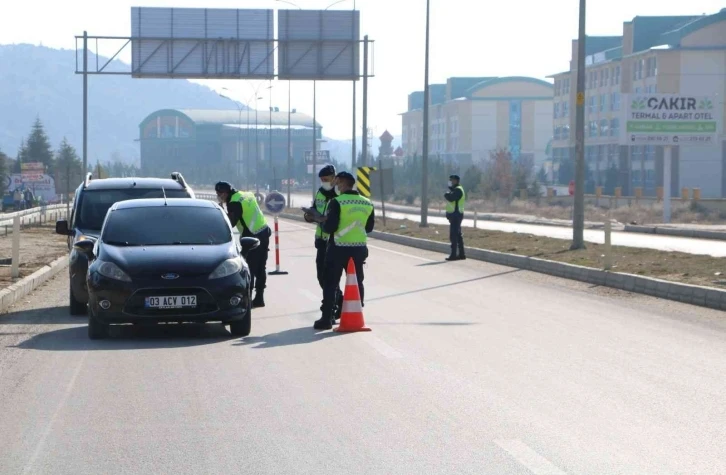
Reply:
x=349, y=220
x=245, y=214
x=455, y=201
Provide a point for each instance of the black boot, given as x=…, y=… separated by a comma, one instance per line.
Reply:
x=452, y=258
x=325, y=323
x=259, y=300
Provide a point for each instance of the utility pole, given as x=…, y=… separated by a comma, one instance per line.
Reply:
x=289, y=146
x=364, y=157
x=425, y=155
x=85, y=104
x=355, y=132
x=270, y=136
x=315, y=143
x=578, y=218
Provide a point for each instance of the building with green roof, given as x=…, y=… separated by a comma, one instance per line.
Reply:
x=674, y=55
x=473, y=116
x=208, y=145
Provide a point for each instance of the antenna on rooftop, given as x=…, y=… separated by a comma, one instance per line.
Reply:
x=164, y=192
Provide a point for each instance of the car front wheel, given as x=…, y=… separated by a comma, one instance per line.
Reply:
x=76, y=307
x=96, y=329
x=243, y=327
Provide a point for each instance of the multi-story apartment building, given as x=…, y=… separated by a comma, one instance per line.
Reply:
x=470, y=117
x=683, y=54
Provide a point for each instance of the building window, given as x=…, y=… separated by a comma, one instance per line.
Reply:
x=650, y=152
x=515, y=128
x=615, y=101
x=558, y=87
x=558, y=132
x=651, y=67
x=605, y=76
x=616, y=76
x=603, y=102
x=565, y=132
x=604, y=128
x=614, y=127
x=591, y=106
x=565, y=109
x=592, y=128
x=556, y=110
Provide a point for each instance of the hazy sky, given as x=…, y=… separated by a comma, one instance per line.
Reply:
x=468, y=38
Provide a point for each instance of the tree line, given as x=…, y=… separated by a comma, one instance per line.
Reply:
x=63, y=164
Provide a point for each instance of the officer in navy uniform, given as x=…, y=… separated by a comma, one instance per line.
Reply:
x=244, y=213
x=349, y=220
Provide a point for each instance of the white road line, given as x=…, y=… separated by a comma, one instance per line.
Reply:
x=382, y=347
x=59, y=407
x=528, y=457
x=310, y=295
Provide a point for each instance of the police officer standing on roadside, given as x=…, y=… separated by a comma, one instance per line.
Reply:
x=455, y=200
x=245, y=214
x=325, y=193
x=349, y=220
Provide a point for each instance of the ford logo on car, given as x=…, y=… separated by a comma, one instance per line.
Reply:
x=170, y=276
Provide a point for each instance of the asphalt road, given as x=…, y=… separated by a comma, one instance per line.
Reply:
x=618, y=238
x=470, y=368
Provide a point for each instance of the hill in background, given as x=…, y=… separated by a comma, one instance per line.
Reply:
x=37, y=81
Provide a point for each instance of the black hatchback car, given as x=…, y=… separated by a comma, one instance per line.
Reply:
x=93, y=198
x=167, y=260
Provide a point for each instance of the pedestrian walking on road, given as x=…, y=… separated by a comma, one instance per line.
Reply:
x=325, y=193
x=245, y=214
x=455, y=201
x=349, y=220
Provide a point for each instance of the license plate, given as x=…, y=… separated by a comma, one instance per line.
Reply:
x=176, y=301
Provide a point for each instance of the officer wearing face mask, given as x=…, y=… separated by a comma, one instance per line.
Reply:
x=325, y=193
x=455, y=200
x=349, y=220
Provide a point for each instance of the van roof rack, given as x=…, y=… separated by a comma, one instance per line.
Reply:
x=179, y=178
x=89, y=177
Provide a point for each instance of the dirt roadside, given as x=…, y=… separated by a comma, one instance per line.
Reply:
x=39, y=246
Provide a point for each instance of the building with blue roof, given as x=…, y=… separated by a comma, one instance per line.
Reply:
x=472, y=116
x=208, y=145
x=674, y=55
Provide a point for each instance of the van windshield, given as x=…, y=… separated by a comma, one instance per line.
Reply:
x=94, y=204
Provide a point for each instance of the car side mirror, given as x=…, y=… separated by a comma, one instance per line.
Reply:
x=85, y=246
x=61, y=227
x=248, y=244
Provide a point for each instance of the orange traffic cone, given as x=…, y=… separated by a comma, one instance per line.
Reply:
x=351, y=318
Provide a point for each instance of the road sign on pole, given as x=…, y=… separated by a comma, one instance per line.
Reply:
x=275, y=202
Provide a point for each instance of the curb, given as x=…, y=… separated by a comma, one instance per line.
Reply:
x=691, y=294
x=10, y=295
x=678, y=232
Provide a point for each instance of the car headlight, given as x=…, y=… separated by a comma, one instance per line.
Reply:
x=228, y=267
x=112, y=271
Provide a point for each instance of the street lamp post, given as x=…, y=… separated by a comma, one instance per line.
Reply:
x=578, y=208
x=289, y=144
x=425, y=155
x=270, y=133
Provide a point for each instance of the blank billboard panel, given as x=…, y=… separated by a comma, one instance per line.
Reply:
x=319, y=44
x=200, y=43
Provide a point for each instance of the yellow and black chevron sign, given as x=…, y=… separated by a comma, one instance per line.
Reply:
x=364, y=180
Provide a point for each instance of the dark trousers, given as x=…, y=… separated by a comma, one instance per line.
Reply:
x=257, y=260
x=455, y=235
x=320, y=247
x=336, y=262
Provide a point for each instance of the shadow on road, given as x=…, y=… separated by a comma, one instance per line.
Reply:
x=294, y=336
x=442, y=286
x=42, y=316
x=437, y=263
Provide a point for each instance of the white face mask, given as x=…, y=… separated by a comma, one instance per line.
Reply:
x=327, y=186
x=450, y=184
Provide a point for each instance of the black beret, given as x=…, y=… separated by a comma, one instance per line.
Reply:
x=327, y=170
x=454, y=177
x=222, y=187
x=346, y=176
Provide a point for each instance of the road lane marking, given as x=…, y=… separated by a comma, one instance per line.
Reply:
x=59, y=407
x=528, y=457
x=382, y=347
x=310, y=295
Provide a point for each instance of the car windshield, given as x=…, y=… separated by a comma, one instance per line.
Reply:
x=166, y=226
x=94, y=204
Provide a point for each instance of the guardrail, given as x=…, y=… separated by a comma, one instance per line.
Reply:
x=33, y=215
